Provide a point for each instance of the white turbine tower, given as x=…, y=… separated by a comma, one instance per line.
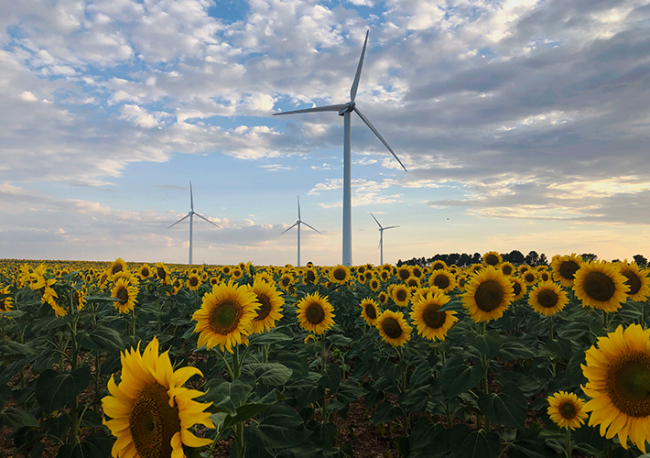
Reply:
x=381, y=238
x=190, y=215
x=298, y=223
x=345, y=110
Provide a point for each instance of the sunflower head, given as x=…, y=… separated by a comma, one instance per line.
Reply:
x=193, y=282
x=492, y=258
x=507, y=268
x=383, y=298
x=145, y=272
x=487, y=295
x=442, y=279
x=271, y=305
x=403, y=272
x=438, y=265
x=529, y=277
x=225, y=316
x=393, y=328
x=118, y=266
x=401, y=294
x=564, y=268
x=369, y=311
x=519, y=288
x=637, y=281
x=430, y=322
x=126, y=295
x=340, y=274
x=315, y=313
x=547, y=298
x=599, y=284
x=566, y=410
x=374, y=284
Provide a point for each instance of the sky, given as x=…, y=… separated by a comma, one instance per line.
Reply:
x=524, y=125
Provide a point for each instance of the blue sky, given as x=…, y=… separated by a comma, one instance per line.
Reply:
x=524, y=125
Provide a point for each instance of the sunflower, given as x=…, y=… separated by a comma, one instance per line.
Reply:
x=600, y=285
x=519, y=288
x=369, y=311
x=315, y=313
x=118, y=266
x=125, y=293
x=145, y=272
x=374, y=284
x=618, y=383
x=193, y=282
x=383, y=298
x=439, y=265
x=265, y=277
x=384, y=275
x=177, y=284
x=310, y=277
x=487, y=295
x=443, y=280
x=340, y=274
x=225, y=316
x=417, y=272
x=393, y=328
x=271, y=309
x=492, y=258
x=361, y=278
x=6, y=303
x=566, y=410
x=461, y=281
x=421, y=292
x=226, y=270
x=432, y=324
x=529, y=277
x=237, y=273
x=637, y=280
x=401, y=294
x=162, y=273
x=565, y=267
x=413, y=282
x=547, y=298
x=507, y=268
x=150, y=410
x=403, y=272
x=79, y=298
x=544, y=275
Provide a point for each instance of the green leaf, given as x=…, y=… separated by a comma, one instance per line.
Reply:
x=226, y=396
x=457, y=377
x=244, y=413
x=428, y=440
x=102, y=339
x=218, y=418
x=323, y=435
x=280, y=427
x=100, y=299
x=474, y=444
x=269, y=338
x=455, y=304
x=271, y=374
x=489, y=344
x=17, y=418
x=513, y=349
x=331, y=378
x=421, y=375
x=385, y=413
x=507, y=408
x=54, y=390
x=350, y=392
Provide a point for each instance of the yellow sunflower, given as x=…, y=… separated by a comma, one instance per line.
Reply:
x=413, y=282
x=193, y=282
x=126, y=294
x=401, y=294
x=384, y=275
x=271, y=305
x=417, y=272
x=637, y=280
x=310, y=277
x=438, y=265
x=225, y=316
x=340, y=274
x=461, y=281
x=547, y=298
x=618, y=383
x=507, y=268
x=565, y=267
x=544, y=275
x=599, y=284
x=6, y=303
x=529, y=277
x=145, y=272
x=374, y=284
x=444, y=280
x=150, y=411
x=369, y=311
x=117, y=266
x=383, y=298
x=226, y=270
x=432, y=324
x=492, y=258
x=162, y=273
x=566, y=410
x=393, y=328
x=286, y=281
x=519, y=288
x=315, y=313
x=403, y=272
x=236, y=273
x=487, y=295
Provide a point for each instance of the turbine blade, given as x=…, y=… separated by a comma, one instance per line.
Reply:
x=379, y=136
x=310, y=227
x=191, y=198
x=298, y=207
x=184, y=217
x=373, y=217
x=315, y=109
x=290, y=228
x=206, y=220
x=355, y=84
x=390, y=227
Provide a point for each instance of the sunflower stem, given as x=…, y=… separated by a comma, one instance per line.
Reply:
x=133, y=322
x=551, y=327
x=606, y=321
x=265, y=353
x=567, y=443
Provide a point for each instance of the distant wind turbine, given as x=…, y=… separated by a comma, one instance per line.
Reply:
x=381, y=237
x=298, y=223
x=345, y=110
x=190, y=215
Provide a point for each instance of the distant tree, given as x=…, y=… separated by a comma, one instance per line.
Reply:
x=532, y=258
x=452, y=259
x=399, y=263
x=515, y=257
x=543, y=261
x=586, y=257
x=477, y=258
x=640, y=260
x=616, y=260
x=464, y=260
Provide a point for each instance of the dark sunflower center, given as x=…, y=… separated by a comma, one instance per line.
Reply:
x=339, y=274
x=417, y=273
x=3, y=305
x=568, y=411
x=265, y=309
x=568, y=269
x=225, y=317
x=547, y=298
x=404, y=274
x=489, y=295
x=432, y=317
x=374, y=284
x=392, y=328
x=144, y=272
x=599, y=286
x=315, y=313
x=438, y=267
x=516, y=288
x=153, y=423
x=310, y=276
x=116, y=268
x=371, y=312
x=383, y=298
x=544, y=276
x=412, y=282
x=529, y=277
x=285, y=281
x=491, y=260
x=507, y=270
x=633, y=281
x=194, y=281
x=123, y=295
x=400, y=294
x=441, y=281
x=161, y=273
x=76, y=298
x=628, y=383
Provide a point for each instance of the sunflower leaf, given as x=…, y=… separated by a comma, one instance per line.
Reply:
x=279, y=427
x=457, y=377
x=271, y=374
x=507, y=408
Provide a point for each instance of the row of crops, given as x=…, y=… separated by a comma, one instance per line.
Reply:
x=492, y=360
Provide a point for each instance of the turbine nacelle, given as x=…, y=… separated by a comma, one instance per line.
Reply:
x=349, y=108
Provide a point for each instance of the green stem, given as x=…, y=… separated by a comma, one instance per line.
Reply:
x=567, y=444
x=133, y=322
x=606, y=321
x=265, y=353
x=551, y=328
x=239, y=439
x=236, y=365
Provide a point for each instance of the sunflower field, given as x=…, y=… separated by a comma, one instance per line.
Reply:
x=491, y=360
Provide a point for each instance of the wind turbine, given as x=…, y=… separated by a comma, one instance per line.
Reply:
x=298, y=223
x=345, y=110
x=190, y=215
x=381, y=237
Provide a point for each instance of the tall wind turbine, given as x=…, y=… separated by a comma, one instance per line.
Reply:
x=381, y=238
x=345, y=110
x=298, y=223
x=190, y=215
